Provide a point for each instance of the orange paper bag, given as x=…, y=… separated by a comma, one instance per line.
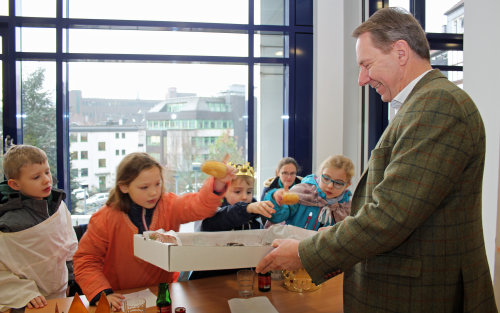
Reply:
x=77, y=305
x=103, y=304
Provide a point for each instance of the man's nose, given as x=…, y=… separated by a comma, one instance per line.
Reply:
x=363, y=78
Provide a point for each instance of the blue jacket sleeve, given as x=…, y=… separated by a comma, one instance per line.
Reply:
x=228, y=218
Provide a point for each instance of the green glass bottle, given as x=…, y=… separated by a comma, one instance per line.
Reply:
x=163, y=301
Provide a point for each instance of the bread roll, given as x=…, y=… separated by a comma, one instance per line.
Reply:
x=289, y=198
x=214, y=168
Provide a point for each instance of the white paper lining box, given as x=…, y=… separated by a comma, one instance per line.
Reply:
x=209, y=250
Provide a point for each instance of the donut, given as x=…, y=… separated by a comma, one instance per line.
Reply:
x=214, y=168
x=289, y=198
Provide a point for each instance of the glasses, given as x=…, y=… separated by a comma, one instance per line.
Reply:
x=288, y=174
x=337, y=184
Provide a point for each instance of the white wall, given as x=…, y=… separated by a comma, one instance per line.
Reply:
x=481, y=48
x=337, y=122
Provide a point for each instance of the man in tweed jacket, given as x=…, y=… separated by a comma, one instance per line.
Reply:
x=414, y=240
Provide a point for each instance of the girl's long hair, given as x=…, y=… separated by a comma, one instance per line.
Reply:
x=128, y=170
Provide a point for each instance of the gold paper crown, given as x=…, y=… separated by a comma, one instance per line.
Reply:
x=243, y=169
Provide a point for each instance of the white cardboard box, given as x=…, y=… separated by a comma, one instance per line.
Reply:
x=208, y=250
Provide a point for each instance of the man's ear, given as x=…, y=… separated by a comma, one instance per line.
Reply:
x=14, y=184
x=123, y=188
x=402, y=49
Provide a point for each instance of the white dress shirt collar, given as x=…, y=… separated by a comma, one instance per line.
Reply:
x=400, y=98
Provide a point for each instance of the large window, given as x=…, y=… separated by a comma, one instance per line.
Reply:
x=85, y=79
x=443, y=22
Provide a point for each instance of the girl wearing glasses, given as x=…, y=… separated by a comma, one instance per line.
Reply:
x=323, y=200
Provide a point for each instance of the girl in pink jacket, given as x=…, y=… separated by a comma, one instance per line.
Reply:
x=105, y=258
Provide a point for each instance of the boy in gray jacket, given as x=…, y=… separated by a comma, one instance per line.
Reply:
x=36, y=235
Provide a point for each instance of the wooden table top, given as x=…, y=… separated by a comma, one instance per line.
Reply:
x=210, y=295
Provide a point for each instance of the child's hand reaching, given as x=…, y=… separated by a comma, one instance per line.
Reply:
x=222, y=181
x=36, y=303
x=283, y=196
x=116, y=299
x=278, y=195
x=264, y=208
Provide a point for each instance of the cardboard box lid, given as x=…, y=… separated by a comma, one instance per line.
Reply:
x=208, y=250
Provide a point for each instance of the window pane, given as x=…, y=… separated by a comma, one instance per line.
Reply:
x=270, y=117
x=36, y=39
x=157, y=108
x=270, y=12
x=446, y=57
x=269, y=44
x=214, y=11
x=157, y=42
x=38, y=114
x=401, y=3
x=445, y=16
x=38, y=8
x=452, y=58
x=4, y=7
x=457, y=77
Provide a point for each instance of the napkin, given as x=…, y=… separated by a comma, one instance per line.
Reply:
x=146, y=294
x=251, y=305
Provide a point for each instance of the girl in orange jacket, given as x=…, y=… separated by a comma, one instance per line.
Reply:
x=105, y=258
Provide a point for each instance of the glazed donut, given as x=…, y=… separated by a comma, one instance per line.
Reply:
x=214, y=168
x=289, y=198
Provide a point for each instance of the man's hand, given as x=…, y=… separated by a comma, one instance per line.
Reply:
x=284, y=257
x=264, y=208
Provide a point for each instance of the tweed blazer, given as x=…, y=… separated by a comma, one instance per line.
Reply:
x=414, y=240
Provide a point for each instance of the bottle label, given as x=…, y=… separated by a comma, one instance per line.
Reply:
x=264, y=282
x=165, y=309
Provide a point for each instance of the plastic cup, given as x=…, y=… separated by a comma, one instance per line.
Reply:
x=245, y=282
x=134, y=305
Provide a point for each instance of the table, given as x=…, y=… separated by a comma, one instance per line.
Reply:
x=210, y=295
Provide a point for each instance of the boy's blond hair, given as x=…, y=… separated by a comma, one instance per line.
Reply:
x=18, y=156
x=247, y=179
x=340, y=162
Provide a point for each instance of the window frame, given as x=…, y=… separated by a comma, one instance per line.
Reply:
x=378, y=113
x=297, y=89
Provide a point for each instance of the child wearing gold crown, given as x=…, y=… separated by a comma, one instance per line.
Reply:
x=239, y=209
